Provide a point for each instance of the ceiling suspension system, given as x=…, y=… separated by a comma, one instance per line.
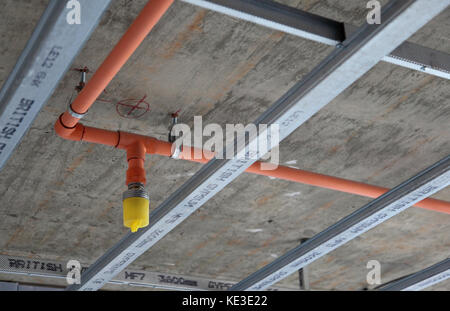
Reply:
x=357, y=50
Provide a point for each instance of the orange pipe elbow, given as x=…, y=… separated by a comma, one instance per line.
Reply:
x=71, y=133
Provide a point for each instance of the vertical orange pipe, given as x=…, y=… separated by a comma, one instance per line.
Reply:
x=141, y=27
x=136, y=157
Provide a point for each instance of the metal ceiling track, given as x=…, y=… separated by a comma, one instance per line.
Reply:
x=424, y=184
x=420, y=280
x=51, y=269
x=323, y=30
x=48, y=54
x=347, y=63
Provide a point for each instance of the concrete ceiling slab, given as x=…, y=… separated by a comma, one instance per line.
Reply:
x=62, y=200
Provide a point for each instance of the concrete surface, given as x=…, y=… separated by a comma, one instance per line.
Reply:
x=62, y=200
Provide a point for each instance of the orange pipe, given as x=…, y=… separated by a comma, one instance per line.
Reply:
x=68, y=126
x=325, y=181
x=340, y=184
x=136, y=157
x=141, y=27
x=124, y=140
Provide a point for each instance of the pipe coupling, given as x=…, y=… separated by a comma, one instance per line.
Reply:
x=135, y=190
x=75, y=114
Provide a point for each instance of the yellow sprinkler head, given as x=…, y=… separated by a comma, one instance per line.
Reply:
x=136, y=207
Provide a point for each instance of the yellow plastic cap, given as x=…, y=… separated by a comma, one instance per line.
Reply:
x=136, y=213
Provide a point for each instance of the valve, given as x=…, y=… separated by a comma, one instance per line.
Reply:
x=136, y=207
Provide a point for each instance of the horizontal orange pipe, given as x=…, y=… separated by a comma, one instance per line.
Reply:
x=330, y=182
x=124, y=140
x=340, y=184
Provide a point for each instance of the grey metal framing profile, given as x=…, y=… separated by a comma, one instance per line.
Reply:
x=48, y=54
x=340, y=69
x=327, y=31
x=424, y=184
x=46, y=268
x=279, y=17
x=422, y=279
